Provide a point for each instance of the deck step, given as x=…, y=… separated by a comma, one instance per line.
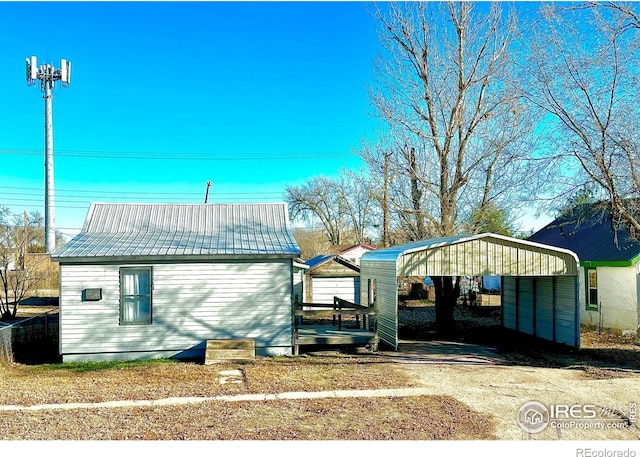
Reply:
x=230, y=350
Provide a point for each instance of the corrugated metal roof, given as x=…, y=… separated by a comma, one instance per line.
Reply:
x=589, y=233
x=321, y=259
x=393, y=253
x=114, y=230
x=483, y=254
x=318, y=260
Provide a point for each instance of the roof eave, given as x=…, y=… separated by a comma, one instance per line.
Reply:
x=102, y=260
x=606, y=263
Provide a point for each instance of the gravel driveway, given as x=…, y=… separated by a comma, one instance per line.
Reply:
x=489, y=386
x=485, y=379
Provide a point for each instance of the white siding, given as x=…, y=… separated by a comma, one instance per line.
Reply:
x=617, y=298
x=298, y=283
x=190, y=304
x=324, y=289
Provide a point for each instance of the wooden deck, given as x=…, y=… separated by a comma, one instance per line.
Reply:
x=359, y=328
x=329, y=334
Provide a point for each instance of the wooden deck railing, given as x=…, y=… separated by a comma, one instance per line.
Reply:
x=335, y=310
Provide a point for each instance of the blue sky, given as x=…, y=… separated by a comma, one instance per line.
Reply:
x=167, y=96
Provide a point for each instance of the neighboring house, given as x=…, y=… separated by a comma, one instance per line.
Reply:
x=159, y=280
x=609, y=264
x=354, y=253
x=331, y=276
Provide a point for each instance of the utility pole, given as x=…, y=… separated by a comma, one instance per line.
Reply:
x=25, y=241
x=385, y=201
x=46, y=76
x=206, y=196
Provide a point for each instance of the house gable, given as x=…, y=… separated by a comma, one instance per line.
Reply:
x=332, y=265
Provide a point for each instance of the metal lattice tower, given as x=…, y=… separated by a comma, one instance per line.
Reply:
x=47, y=75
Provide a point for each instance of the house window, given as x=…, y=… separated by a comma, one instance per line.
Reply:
x=592, y=290
x=135, y=296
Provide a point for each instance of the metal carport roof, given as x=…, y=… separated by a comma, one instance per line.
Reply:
x=463, y=255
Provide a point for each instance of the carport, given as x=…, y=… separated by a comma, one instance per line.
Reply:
x=539, y=285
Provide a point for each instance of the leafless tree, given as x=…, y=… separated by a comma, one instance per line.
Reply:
x=316, y=200
x=312, y=242
x=342, y=205
x=20, y=272
x=583, y=70
x=443, y=86
x=459, y=130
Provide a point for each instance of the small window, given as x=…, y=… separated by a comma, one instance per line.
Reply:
x=135, y=296
x=592, y=290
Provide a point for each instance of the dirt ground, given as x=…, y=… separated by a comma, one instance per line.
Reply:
x=477, y=384
x=495, y=373
x=497, y=388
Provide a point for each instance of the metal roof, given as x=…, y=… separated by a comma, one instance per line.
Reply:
x=589, y=232
x=318, y=260
x=324, y=258
x=135, y=230
x=475, y=255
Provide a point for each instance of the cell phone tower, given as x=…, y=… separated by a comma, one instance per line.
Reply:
x=46, y=75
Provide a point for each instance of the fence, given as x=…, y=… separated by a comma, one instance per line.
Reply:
x=44, y=268
x=31, y=341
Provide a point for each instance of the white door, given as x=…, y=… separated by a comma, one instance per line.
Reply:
x=324, y=289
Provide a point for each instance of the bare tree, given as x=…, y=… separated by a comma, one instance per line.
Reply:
x=20, y=272
x=442, y=84
x=312, y=242
x=316, y=200
x=460, y=130
x=343, y=206
x=583, y=70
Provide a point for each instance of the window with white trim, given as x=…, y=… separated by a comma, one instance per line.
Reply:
x=592, y=289
x=135, y=295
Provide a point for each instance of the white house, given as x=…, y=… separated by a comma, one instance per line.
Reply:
x=609, y=267
x=159, y=280
x=354, y=253
x=329, y=276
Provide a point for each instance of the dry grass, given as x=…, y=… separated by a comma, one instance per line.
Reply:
x=98, y=382
x=421, y=418
x=415, y=418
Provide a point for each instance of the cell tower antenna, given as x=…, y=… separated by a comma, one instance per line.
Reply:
x=47, y=75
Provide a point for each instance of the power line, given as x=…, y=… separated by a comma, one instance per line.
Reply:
x=134, y=192
x=176, y=155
